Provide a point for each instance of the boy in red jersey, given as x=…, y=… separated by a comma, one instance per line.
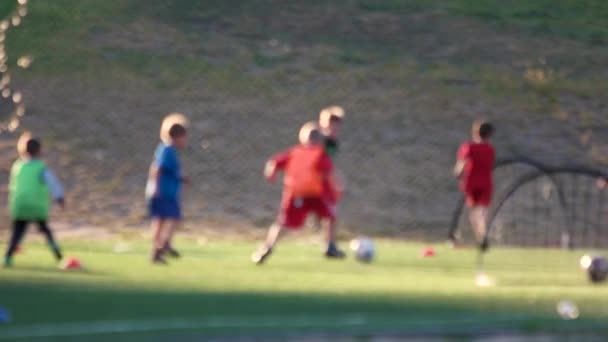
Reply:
x=308, y=171
x=474, y=168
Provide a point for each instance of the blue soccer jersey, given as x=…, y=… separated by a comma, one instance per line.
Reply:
x=168, y=184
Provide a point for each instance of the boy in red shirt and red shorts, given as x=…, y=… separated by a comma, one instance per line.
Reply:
x=474, y=168
x=307, y=185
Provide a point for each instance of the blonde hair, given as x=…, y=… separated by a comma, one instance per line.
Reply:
x=330, y=113
x=168, y=122
x=22, y=143
x=309, y=132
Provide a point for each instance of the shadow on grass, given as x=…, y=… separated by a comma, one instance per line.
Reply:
x=49, y=310
x=53, y=270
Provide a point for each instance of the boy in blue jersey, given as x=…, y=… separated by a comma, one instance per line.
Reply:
x=164, y=187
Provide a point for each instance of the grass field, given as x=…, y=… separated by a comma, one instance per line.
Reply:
x=215, y=292
x=411, y=74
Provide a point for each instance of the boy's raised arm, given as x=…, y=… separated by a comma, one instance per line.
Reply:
x=275, y=164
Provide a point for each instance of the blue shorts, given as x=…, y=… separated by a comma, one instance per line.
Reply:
x=164, y=208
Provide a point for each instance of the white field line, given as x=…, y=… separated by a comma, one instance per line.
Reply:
x=8, y=332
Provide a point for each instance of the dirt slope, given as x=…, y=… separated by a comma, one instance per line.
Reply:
x=248, y=76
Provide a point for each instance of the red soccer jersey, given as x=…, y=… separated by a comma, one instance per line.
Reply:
x=307, y=169
x=479, y=161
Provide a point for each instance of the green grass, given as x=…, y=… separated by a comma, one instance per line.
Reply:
x=66, y=38
x=6, y=8
x=399, y=292
x=579, y=20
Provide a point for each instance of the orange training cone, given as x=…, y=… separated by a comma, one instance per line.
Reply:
x=428, y=252
x=71, y=264
x=18, y=250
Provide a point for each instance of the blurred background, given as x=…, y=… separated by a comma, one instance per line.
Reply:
x=94, y=78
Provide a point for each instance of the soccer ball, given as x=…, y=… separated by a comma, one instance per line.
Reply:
x=364, y=249
x=596, y=267
x=567, y=310
x=598, y=270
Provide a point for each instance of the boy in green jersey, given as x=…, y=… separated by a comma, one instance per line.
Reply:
x=32, y=183
x=330, y=120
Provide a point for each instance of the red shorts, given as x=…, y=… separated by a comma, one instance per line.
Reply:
x=479, y=196
x=294, y=211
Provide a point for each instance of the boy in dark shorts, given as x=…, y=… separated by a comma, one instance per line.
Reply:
x=474, y=168
x=308, y=170
x=163, y=189
x=330, y=122
x=32, y=184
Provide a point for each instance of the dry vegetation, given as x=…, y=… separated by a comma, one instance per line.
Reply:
x=410, y=78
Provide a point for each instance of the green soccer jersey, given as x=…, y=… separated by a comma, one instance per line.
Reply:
x=28, y=192
x=331, y=147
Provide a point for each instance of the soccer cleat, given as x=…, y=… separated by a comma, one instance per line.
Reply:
x=261, y=255
x=334, y=253
x=8, y=262
x=157, y=257
x=159, y=261
x=172, y=252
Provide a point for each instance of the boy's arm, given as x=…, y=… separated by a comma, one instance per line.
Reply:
x=270, y=170
x=55, y=187
x=459, y=168
x=154, y=178
x=276, y=164
x=168, y=163
x=461, y=160
x=12, y=178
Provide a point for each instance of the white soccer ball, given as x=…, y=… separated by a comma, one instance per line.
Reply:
x=586, y=261
x=364, y=249
x=483, y=280
x=567, y=310
x=596, y=267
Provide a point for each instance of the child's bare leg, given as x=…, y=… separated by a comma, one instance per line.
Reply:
x=157, y=239
x=330, y=230
x=157, y=232
x=171, y=227
x=478, y=218
x=330, y=236
x=275, y=232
